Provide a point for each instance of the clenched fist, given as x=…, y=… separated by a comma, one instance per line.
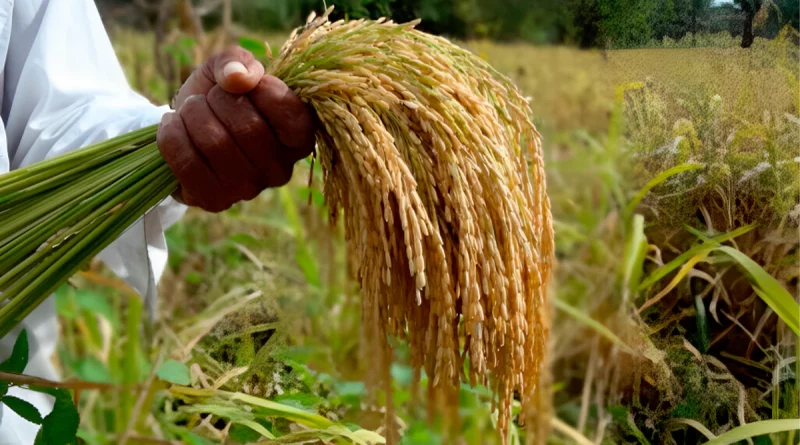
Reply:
x=235, y=132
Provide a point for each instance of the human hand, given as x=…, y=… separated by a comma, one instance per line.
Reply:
x=235, y=132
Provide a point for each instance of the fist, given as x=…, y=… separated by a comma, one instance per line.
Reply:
x=235, y=132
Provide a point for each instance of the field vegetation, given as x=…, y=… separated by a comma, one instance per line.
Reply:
x=674, y=176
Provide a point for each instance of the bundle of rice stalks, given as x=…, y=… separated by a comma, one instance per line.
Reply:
x=427, y=150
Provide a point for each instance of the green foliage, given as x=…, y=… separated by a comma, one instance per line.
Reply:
x=174, y=371
x=623, y=23
x=754, y=430
x=18, y=359
x=61, y=425
x=257, y=47
x=769, y=289
x=626, y=23
x=23, y=408
x=751, y=176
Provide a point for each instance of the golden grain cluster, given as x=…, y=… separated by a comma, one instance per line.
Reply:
x=434, y=160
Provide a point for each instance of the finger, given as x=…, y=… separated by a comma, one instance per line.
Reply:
x=199, y=186
x=239, y=179
x=251, y=133
x=287, y=115
x=236, y=70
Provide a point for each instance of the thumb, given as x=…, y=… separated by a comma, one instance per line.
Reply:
x=235, y=70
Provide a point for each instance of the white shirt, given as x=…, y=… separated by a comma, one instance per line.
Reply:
x=62, y=89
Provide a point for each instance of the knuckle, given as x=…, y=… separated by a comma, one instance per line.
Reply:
x=248, y=124
x=169, y=134
x=214, y=136
x=206, y=71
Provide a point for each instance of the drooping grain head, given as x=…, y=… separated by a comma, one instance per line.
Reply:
x=439, y=170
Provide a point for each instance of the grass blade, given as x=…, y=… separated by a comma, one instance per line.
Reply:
x=635, y=251
x=666, y=269
x=594, y=324
x=677, y=279
x=768, y=288
x=754, y=429
x=698, y=426
x=661, y=177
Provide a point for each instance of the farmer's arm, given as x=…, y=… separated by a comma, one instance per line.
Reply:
x=65, y=89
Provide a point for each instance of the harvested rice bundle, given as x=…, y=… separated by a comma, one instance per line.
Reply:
x=427, y=150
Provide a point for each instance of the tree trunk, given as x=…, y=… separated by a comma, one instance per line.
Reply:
x=750, y=8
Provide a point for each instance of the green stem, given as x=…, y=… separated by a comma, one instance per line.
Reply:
x=121, y=192
x=133, y=139
x=130, y=367
x=89, y=185
x=78, y=250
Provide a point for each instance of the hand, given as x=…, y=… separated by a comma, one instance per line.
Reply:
x=235, y=132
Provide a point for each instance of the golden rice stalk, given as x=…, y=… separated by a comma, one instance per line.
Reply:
x=439, y=170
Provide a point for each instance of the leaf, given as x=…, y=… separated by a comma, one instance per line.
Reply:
x=243, y=434
x=64, y=302
x=594, y=324
x=23, y=408
x=236, y=415
x=755, y=429
x=3, y=388
x=661, y=177
x=703, y=340
x=368, y=436
x=92, y=438
x=193, y=278
x=302, y=255
x=92, y=370
x=60, y=427
x=175, y=372
x=257, y=47
x=95, y=303
x=301, y=400
x=623, y=418
x=708, y=246
x=635, y=252
x=19, y=355
x=696, y=425
x=768, y=288
x=191, y=438
x=255, y=426
x=676, y=279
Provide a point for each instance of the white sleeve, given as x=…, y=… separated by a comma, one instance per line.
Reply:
x=65, y=89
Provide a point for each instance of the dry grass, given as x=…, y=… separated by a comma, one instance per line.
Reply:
x=575, y=89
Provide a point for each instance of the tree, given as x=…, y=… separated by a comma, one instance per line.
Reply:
x=750, y=8
x=627, y=23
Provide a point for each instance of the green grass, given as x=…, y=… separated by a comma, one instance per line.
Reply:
x=259, y=307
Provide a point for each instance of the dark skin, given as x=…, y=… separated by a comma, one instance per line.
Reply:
x=235, y=132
